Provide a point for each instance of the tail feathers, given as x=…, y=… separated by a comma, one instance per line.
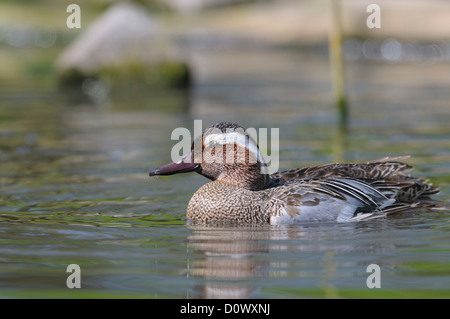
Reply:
x=400, y=208
x=406, y=191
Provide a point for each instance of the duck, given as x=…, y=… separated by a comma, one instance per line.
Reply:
x=242, y=192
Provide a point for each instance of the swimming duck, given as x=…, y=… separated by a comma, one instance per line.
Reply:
x=241, y=191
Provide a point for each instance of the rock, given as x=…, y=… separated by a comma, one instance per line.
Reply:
x=125, y=39
x=199, y=5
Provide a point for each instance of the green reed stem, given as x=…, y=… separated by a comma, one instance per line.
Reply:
x=338, y=79
x=337, y=65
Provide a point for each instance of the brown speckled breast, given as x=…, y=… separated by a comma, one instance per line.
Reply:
x=219, y=202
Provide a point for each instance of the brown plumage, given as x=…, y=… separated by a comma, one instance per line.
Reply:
x=241, y=194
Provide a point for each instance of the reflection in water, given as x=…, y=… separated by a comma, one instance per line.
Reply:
x=229, y=256
x=233, y=256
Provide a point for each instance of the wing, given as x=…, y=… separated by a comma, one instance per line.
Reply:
x=325, y=200
x=387, y=175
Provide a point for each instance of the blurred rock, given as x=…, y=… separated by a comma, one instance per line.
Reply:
x=123, y=44
x=198, y=5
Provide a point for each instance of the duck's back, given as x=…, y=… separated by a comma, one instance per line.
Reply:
x=387, y=175
x=347, y=191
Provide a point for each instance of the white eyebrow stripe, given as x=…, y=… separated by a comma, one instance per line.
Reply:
x=235, y=137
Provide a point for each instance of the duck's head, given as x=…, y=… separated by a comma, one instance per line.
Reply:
x=224, y=152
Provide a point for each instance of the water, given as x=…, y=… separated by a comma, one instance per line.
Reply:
x=75, y=188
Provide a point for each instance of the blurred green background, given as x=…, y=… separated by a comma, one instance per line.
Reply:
x=33, y=33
